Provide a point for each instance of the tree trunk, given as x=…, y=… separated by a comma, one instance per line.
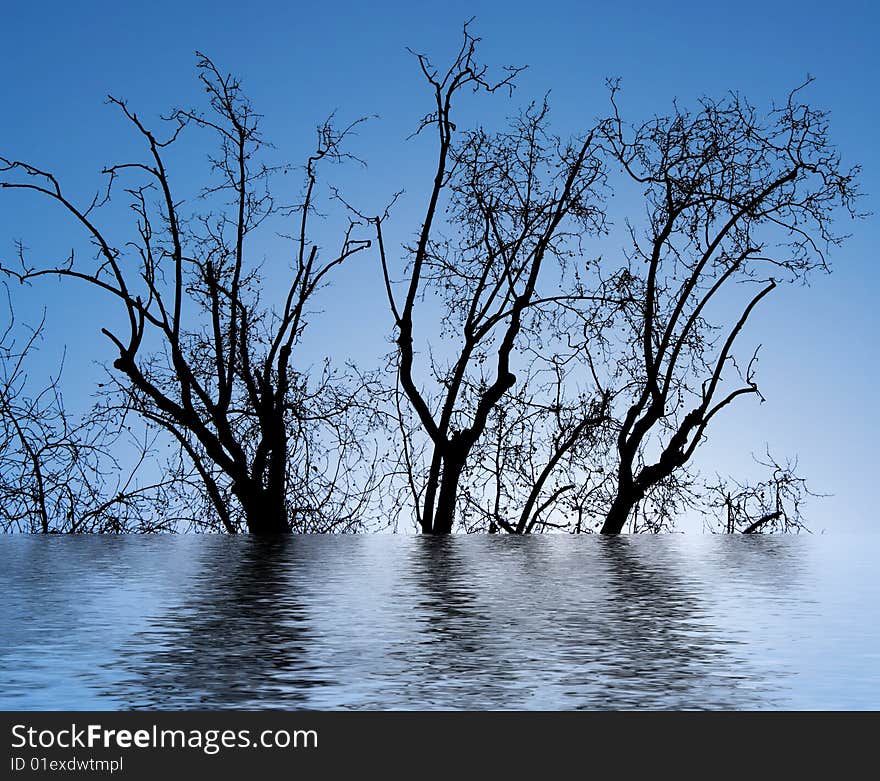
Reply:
x=265, y=512
x=444, y=515
x=618, y=513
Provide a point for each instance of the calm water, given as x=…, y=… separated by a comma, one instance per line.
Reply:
x=468, y=622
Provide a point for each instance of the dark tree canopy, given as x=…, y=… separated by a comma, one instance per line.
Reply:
x=564, y=390
x=538, y=380
x=202, y=357
x=514, y=202
x=734, y=199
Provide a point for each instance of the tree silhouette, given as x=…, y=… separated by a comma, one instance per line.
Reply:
x=736, y=201
x=774, y=504
x=276, y=448
x=58, y=473
x=555, y=387
x=517, y=201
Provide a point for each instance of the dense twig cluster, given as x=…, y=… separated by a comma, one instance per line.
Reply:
x=59, y=474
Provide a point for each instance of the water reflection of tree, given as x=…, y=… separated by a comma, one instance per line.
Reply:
x=238, y=638
x=658, y=646
x=539, y=632
x=470, y=623
x=450, y=652
x=763, y=567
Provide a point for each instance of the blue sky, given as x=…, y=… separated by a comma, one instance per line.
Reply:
x=300, y=61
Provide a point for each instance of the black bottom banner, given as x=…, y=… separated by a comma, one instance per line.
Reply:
x=134, y=745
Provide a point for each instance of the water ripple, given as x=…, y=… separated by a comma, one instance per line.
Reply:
x=379, y=622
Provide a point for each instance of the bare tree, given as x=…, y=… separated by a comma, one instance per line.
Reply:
x=737, y=203
x=59, y=475
x=277, y=448
x=774, y=504
x=515, y=203
x=553, y=389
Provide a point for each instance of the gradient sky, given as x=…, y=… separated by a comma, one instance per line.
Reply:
x=300, y=61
